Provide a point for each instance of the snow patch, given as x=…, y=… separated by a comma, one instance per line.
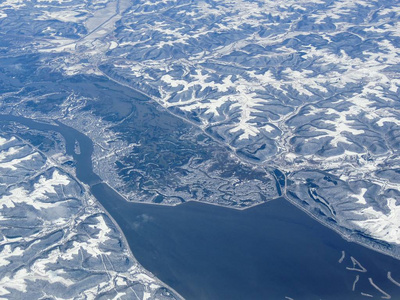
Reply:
x=381, y=226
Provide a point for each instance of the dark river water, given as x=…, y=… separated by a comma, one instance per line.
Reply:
x=271, y=251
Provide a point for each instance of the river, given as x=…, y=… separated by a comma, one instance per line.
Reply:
x=271, y=251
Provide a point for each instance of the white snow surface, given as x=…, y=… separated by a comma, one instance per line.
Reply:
x=51, y=203
x=382, y=226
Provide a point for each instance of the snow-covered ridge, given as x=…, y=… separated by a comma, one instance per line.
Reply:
x=296, y=85
x=309, y=87
x=55, y=239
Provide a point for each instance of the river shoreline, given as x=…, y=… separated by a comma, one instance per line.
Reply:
x=125, y=216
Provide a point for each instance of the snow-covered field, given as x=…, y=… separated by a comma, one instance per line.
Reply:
x=55, y=240
x=307, y=87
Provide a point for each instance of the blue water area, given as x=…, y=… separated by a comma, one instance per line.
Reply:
x=271, y=251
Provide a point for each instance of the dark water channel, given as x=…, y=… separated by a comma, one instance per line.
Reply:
x=271, y=251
